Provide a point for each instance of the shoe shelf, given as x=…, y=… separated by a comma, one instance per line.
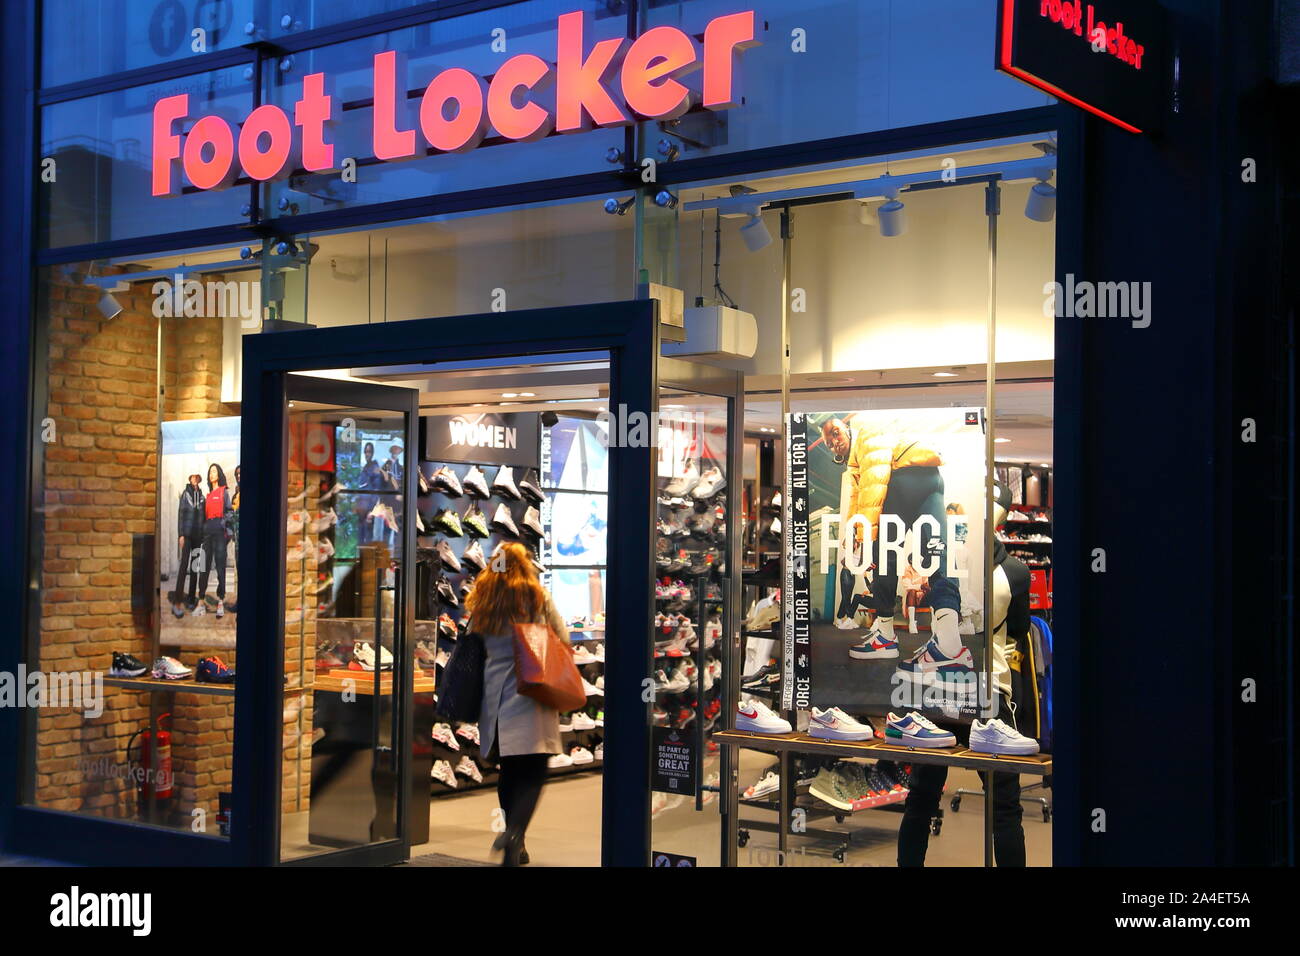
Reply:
x=171, y=686
x=1034, y=765
x=363, y=682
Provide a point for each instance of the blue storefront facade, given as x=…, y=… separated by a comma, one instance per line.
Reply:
x=1158, y=443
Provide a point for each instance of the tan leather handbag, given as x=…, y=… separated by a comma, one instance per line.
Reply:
x=544, y=668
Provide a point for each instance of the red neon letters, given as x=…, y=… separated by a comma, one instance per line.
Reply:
x=1070, y=15
x=525, y=99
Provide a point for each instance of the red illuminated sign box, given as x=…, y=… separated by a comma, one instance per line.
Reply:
x=1105, y=56
x=614, y=83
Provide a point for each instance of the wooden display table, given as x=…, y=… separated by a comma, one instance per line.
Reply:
x=1036, y=765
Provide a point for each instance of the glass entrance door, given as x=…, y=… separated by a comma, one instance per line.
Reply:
x=348, y=559
x=341, y=780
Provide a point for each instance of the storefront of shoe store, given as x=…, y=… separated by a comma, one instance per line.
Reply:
x=801, y=346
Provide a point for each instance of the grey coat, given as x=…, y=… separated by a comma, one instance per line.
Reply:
x=524, y=725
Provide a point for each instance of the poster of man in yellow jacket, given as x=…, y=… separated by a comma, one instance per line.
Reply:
x=894, y=466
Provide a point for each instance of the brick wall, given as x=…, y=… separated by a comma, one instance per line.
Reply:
x=100, y=490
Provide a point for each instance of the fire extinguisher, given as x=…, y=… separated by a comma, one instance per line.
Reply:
x=154, y=773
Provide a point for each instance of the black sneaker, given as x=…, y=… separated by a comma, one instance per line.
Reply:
x=445, y=592
x=125, y=665
x=447, y=556
x=528, y=485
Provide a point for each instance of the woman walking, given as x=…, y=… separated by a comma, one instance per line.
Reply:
x=516, y=731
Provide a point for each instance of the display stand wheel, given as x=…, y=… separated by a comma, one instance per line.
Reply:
x=838, y=854
x=936, y=825
x=1047, y=814
x=956, y=804
x=839, y=818
x=742, y=838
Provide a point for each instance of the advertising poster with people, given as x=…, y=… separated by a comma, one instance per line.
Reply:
x=199, y=555
x=885, y=577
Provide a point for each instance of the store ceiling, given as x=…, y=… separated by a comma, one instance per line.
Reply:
x=1023, y=398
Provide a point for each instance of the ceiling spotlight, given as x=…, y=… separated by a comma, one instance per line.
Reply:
x=1044, y=464
x=893, y=221
x=866, y=214
x=945, y=374
x=668, y=149
x=665, y=199
x=616, y=208
x=246, y=252
x=109, y=307
x=755, y=233
x=613, y=156
x=1041, y=204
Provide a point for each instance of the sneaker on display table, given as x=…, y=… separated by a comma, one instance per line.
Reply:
x=914, y=730
x=834, y=724
x=995, y=737
x=755, y=717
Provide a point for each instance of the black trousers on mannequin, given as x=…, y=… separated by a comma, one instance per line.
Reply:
x=925, y=790
x=214, y=556
x=519, y=787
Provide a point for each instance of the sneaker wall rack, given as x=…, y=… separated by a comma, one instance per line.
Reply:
x=444, y=584
x=690, y=559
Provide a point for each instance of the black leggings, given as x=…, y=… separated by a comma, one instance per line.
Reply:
x=214, y=556
x=519, y=787
x=851, y=603
x=925, y=790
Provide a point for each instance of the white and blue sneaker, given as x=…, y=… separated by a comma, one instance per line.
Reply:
x=931, y=664
x=995, y=737
x=914, y=730
x=833, y=724
x=878, y=644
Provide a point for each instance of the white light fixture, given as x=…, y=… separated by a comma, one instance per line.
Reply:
x=1041, y=204
x=109, y=307
x=866, y=214
x=755, y=232
x=1001, y=441
x=893, y=219
x=527, y=394
x=509, y=394
x=945, y=374
x=1044, y=464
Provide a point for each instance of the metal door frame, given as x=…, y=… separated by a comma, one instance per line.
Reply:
x=629, y=332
